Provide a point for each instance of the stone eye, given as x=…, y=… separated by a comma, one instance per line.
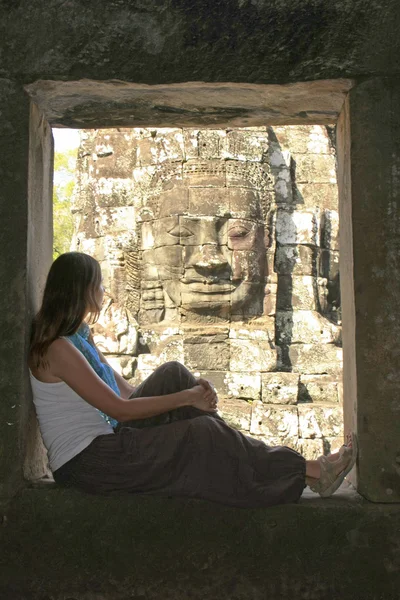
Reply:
x=180, y=231
x=238, y=232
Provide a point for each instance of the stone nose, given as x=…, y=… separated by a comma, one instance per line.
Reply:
x=209, y=257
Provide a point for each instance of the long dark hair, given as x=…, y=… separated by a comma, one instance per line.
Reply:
x=70, y=292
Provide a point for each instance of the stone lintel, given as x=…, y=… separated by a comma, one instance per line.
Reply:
x=91, y=104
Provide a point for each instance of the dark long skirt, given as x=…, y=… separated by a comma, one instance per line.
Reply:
x=186, y=452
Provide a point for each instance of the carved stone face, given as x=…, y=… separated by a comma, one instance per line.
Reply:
x=208, y=262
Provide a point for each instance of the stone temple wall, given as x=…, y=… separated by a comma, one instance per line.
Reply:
x=219, y=249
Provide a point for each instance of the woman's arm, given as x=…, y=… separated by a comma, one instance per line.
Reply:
x=69, y=365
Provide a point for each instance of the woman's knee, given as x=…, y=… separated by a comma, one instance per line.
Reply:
x=176, y=368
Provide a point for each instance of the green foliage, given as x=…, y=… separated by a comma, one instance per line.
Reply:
x=64, y=184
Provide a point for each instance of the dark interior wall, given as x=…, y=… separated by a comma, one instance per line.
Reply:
x=166, y=41
x=152, y=41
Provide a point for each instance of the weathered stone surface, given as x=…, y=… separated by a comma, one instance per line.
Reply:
x=297, y=227
x=280, y=388
x=300, y=292
x=318, y=388
x=116, y=331
x=330, y=230
x=305, y=327
x=209, y=201
x=315, y=168
x=237, y=413
x=296, y=260
x=124, y=365
x=205, y=335
x=251, y=356
x=320, y=421
x=243, y=385
x=246, y=145
x=315, y=358
x=309, y=195
x=212, y=356
x=303, y=139
x=262, y=330
x=244, y=203
x=274, y=422
x=311, y=449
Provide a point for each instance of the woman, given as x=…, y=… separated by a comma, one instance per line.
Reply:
x=97, y=430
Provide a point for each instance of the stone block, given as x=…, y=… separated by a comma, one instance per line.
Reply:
x=116, y=331
x=329, y=267
x=274, y=422
x=148, y=362
x=218, y=379
x=330, y=230
x=147, y=237
x=304, y=327
x=202, y=316
x=248, y=265
x=168, y=260
x=212, y=356
x=195, y=231
x=172, y=202
x=123, y=364
x=211, y=143
x=244, y=203
x=250, y=175
x=209, y=201
x=302, y=139
x=116, y=155
x=283, y=186
x=252, y=356
x=246, y=145
x=204, y=173
x=151, y=338
x=191, y=143
x=311, y=449
x=140, y=375
x=269, y=303
x=310, y=195
x=243, y=234
x=332, y=444
x=112, y=192
x=279, y=157
x=115, y=219
x=296, y=260
x=243, y=385
x=317, y=168
x=163, y=144
x=205, y=335
x=262, y=330
x=280, y=388
x=320, y=421
x=298, y=293
x=237, y=413
x=318, y=388
x=296, y=227
x=315, y=358
x=166, y=231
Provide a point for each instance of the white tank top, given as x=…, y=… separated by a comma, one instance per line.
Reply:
x=68, y=424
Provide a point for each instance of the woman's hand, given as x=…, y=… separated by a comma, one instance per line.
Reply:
x=203, y=398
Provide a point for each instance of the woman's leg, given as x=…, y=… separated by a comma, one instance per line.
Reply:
x=196, y=458
x=169, y=378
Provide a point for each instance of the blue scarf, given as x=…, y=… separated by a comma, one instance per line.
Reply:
x=80, y=340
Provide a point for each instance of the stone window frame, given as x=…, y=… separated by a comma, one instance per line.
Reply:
x=100, y=104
